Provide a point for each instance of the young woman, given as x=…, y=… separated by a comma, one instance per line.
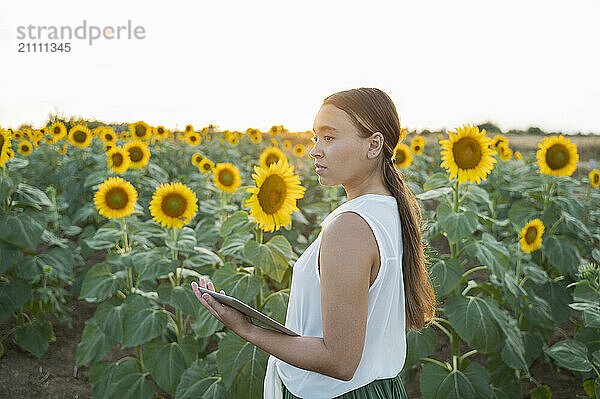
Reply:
x=363, y=281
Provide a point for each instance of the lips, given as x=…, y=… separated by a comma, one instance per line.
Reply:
x=319, y=166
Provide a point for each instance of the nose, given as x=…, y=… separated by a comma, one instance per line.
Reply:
x=315, y=152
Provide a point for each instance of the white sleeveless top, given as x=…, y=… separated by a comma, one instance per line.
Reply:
x=384, y=351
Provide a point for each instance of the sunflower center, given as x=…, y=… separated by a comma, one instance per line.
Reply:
x=56, y=130
x=272, y=194
x=136, y=154
x=467, y=153
x=116, y=198
x=174, y=205
x=197, y=158
x=206, y=166
x=140, y=130
x=108, y=137
x=596, y=176
x=117, y=159
x=400, y=156
x=226, y=178
x=272, y=158
x=530, y=234
x=161, y=130
x=193, y=138
x=79, y=136
x=557, y=156
x=417, y=147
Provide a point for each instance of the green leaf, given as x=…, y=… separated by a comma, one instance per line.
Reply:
x=100, y=283
x=472, y=319
x=456, y=225
x=167, y=362
x=111, y=319
x=242, y=366
x=59, y=259
x=558, y=297
x=446, y=274
x=522, y=211
x=12, y=296
x=104, y=238
x=241, y=285
x=127, y=382
x=419, y=344
x=438, y=382
x=276, y=304
x=143, y=322
x=234, y=244
x=24, y=231
x=591, y=313
x=151, y=264
x=437, y=180
x=197, y=382
x=94, y=344
x=540, y=392
x=479, y=378
x=490, y=253
x=32, y=196
x=435, y=193
x=203, y=260
x=10, y=256
x=562, y=254
x=206, y=233
x=570, y=354
x=186, y=240
x=180, y=297
x=535, y=273
x=236, y=223
x=34, y=337
x=271, y=257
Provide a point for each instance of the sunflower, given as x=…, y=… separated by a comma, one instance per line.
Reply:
x=504, y=152
x=274, y=142
x=595, y=178
x=80, y=136
x=161, y=132
x=271, y=155
x=139, y=154
x=467, y=154
x=5, y=137
x=62, y=149
x=234, y=141
x=402, y=157
x=497, y=140
x=417, y=145
x=193, y=139
x=518, y=155
x=196, y=158
x=206, y=165
x=11, y=153
x=287, y=144
x=227, y=177
x=108, y=135
x=557, y=156
x=96, y=131
x=173, y=205
x=25, y=148
x=118, y=160
x=108, y=147
x=276, y=130
x=274, y=197
x=18, y=135
x=255, y=135
x=531, y=235
x=115, y=198
x=189, y=129
x=140, y=130
x=299, y=150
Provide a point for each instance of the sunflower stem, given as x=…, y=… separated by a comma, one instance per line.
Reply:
x=180, y=330
x=562, y=217
x=456, y=201
x=174, y=254
x=140, y=359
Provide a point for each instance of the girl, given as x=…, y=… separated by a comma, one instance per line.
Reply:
x=347, y=299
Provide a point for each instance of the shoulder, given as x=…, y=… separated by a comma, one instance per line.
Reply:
x=350, y=231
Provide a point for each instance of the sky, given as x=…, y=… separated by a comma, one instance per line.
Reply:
x=241, y=64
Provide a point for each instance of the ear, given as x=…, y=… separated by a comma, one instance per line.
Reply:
x=375, y=144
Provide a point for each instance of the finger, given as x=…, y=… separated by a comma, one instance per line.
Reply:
x=202, y=282
x=211, y=286
x=222, y=292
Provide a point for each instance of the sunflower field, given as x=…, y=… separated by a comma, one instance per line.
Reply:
x=126, y=216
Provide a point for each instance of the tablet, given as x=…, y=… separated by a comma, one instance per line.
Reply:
x=248, y=311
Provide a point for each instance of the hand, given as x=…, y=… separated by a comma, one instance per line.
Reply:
x=230, y=317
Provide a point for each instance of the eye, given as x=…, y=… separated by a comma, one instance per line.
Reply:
x=329, y=137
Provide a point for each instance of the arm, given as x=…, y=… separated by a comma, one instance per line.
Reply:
x=346, y=261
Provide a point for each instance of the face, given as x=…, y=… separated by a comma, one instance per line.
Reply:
x=348, y=159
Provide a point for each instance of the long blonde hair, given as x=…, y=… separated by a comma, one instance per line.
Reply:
x=371, y=110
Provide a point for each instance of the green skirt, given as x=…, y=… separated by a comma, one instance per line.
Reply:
x=389, y=388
